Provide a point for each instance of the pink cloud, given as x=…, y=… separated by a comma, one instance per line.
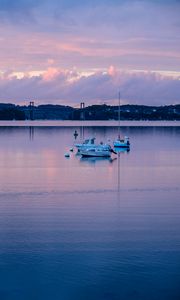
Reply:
x=70, y=87
x=50, y=74
x=112, y=71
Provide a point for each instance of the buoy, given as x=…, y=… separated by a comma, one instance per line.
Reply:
x=75, y=134
x=67, y=154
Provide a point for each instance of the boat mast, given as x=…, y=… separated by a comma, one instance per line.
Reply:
x=119, y=115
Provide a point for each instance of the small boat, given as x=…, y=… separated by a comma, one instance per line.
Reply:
x=121, y=142
x=67, y=154
x=90, y=144
x=101, y=151
x=95, y=152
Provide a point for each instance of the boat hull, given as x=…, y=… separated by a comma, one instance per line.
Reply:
x=94, y=153
x=122, y=144
x=82, y=148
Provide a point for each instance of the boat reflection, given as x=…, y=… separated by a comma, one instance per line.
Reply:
x=121, y=150
x=94, y=160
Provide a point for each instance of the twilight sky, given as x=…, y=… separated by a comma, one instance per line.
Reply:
x=68, y=51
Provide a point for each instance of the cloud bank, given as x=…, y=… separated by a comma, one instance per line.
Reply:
x=71, y=87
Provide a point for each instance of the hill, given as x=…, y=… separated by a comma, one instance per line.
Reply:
x=93, y=112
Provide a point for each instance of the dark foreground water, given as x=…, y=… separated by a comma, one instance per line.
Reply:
x=89, y=229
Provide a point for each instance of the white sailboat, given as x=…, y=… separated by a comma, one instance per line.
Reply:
x=96, y=152
x=89, y=144
x=121, y=142
x=101, y=151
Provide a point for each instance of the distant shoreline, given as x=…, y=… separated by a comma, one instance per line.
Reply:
x=103, y=112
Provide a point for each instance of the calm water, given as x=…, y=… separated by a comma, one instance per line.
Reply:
x=95, y=229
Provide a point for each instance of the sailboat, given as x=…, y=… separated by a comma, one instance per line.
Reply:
x=89, y=144
x=97, y=152
x=89, y=149
x=121, y=142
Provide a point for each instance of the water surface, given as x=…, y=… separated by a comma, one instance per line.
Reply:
x=89, y=228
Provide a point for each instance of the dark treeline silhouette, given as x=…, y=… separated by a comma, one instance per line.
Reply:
x=93, y=112
x=11, y=112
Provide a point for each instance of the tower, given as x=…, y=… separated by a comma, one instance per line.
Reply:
x=82, y=113
x=31, y=110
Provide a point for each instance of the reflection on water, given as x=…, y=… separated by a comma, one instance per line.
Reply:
x=89, y=228
x=94, y=160
x=121, y=150
x=82, y=132
x=31, y=132
x=34, y=159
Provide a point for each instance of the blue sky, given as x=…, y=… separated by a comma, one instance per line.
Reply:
x=66, y=51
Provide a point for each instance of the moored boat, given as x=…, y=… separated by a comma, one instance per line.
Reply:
x=101, y=151
x=121, y=142
x=90, y=144
x=96, y=152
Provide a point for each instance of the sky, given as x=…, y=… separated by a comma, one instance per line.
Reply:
x=69, y=51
